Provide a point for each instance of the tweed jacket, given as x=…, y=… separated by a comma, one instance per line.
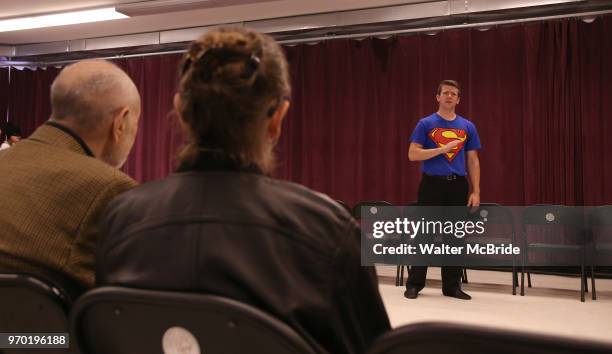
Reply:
x=53, y=190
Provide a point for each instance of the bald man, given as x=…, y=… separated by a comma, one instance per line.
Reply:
x=55, y=184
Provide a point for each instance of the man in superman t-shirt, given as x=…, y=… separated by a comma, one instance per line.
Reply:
x=447, y=145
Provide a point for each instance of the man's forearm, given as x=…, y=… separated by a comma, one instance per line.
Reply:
x=474, y=174
x=420, y=154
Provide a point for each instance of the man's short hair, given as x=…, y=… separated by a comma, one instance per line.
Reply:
x=452, y=83
x=86, y=102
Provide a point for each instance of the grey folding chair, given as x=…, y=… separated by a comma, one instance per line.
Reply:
x=126, y=321
x=32, y=304
x=443, y=338
x=553, y=230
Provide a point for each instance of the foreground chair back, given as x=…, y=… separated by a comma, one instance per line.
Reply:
x=30, y=304
x=443, y=338
x=121, y=320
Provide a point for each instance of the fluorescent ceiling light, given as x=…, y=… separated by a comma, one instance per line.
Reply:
x=152, y=7
x=60, y=19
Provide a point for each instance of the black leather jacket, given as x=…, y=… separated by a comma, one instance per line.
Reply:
x=220, y=229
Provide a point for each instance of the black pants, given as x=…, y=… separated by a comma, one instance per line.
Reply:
x=434, y=191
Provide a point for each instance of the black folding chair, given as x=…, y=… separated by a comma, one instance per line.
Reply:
x=557, y=230
x=443, y=338
x=600, y=227
x=371, y=203
x=410, y=211
x=127, y=321
x=397, y=213
x=31, y=304
x=500, y=230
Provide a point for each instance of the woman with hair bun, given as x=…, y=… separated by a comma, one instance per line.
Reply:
x=220, y=225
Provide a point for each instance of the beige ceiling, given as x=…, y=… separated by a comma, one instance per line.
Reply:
x=173, y=20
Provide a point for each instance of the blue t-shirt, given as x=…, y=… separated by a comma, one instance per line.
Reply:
x=434, y=132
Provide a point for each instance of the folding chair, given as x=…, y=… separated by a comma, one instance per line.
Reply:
x=31, y=304
x=126, y=321
x=443, y=338
x=500, y=230
x=371, y=203
x=558, y=230
x=381, y=203
x=600, y=227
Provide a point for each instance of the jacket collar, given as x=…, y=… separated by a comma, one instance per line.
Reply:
x=56, y=134
x=217, y=160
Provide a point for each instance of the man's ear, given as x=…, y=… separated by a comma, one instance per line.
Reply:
x=120, y=124
x=276, y=121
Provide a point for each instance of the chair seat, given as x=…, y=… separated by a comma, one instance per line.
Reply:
x=555, y=246
x=603, y=247
x=492, y=240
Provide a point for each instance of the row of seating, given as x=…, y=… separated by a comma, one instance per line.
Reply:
x=551, y=229
x=128, y=321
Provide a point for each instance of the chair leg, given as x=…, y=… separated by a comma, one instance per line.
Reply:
x=593, y=295
x=529, y=279
x=397, y=275
x=402, y=275
x=514, y=281
x=586, y=284
x=582, y=282
x=522, y=283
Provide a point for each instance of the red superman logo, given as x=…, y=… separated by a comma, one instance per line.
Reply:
x=443, y=136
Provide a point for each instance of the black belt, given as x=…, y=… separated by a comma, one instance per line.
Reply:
x=450, y=177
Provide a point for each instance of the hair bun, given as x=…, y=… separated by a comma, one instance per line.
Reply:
x=210, y=62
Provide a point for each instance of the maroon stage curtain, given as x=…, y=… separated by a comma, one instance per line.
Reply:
x=159, y=139
x=536, y=92
x=29, y=104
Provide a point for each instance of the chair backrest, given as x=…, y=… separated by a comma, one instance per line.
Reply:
x=545, y=214
x=600, y=223
x=601, y=216
x=496, y=213
x=122, y=320
x=30, y=304
x=357, y=207
x=442, y=338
